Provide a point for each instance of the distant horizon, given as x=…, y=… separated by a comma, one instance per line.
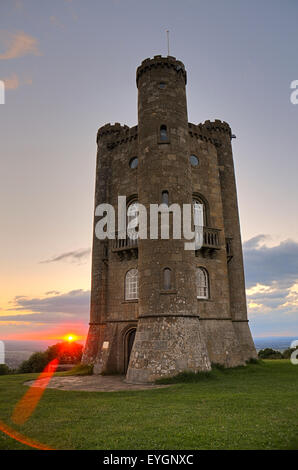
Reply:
x=83, y=340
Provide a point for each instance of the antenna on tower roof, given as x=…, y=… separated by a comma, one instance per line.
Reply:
x=168, y=41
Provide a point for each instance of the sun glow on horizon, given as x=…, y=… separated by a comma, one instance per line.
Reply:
x=70, y=337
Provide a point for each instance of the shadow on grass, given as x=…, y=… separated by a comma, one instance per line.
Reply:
x=79, y=369
x=192, y=377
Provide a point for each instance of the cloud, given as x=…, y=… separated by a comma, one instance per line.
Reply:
x=265, y=264
x=272, y=285
x=17, y=45
x=72, y=256
x=51, y=317
x=12, y=82
x=71, y=306
x=56, y=22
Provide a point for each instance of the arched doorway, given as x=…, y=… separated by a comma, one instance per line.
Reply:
x=128, y=344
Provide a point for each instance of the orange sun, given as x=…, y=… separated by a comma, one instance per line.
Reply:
x=70, y=338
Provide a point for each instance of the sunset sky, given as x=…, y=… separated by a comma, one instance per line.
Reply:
x=69, y=68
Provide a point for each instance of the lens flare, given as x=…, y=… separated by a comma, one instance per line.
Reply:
x=22, y=439
x=25, y=407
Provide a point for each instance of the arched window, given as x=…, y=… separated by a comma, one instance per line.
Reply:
x=167, y=279
x=194, y=161
x=163, y=133
x=165, y=197
x=133, y=219
x=202, y=284
x=200, y=210
x=132, y=285
x=133, y=162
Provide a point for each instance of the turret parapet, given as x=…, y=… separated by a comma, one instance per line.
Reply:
x=116, y=134
x=217, y=126
x=159, y=61
x=201, y=132
x=111, y=129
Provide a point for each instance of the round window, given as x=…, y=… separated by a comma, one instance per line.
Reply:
x=162, y=85
x=194, y=160
x=133, y=162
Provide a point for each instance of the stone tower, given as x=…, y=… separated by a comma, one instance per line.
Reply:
x=156, y=308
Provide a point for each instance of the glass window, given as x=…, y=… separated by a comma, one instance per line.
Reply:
x=167, y=282
x=133, y=220
x=134, y=162
x=132, y=285
x=199, y=211
x=165, y=197
x=202, y=284
x=162, y=85
x=163, y=133
x=194, y=160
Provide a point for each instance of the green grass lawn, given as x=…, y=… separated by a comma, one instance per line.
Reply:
x=246, y=408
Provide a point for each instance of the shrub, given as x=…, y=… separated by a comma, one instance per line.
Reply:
x=4, y=369
x=253, y=360
x=70, y=353
x=81, y=369
x=184, y=377
x=66, y=352
x=288, y=352
x=216, y=365
x=36, y=363
x=269, y=353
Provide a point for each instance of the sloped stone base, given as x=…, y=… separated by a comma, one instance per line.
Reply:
x=165, y=346
x=222, y=343
x=245, y=340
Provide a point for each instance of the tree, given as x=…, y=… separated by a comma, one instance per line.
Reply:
x=4, y=369
x=269, y=353
x=36, y=363
x=65, y=352
x=288, y=352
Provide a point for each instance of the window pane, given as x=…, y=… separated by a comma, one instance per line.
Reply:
x=202, y=283
x=163, y=133
x=167, y=279
x=198, y=213
x=194, y=160
x=131, y=285
x=133, y=220
x=165, y=197
x=134, y=162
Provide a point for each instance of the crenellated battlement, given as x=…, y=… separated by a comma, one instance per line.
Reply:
x=216, y=126
x=111, y=129
x=116, y=134
x=207, y=131
x=201, y=133
x=162, y=62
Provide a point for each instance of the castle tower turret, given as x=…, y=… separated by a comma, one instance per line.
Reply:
x=221, y=132
x=168, y=338
x=158, y=309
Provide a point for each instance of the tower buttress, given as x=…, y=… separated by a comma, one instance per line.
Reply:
x=221, y=132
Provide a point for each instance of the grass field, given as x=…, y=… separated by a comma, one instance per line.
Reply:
x=246, y=408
